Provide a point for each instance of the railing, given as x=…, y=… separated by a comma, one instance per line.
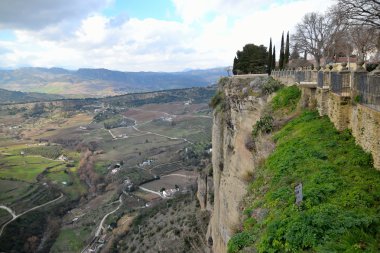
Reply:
x=364, y=86
x=369, y=91
x=339, y=84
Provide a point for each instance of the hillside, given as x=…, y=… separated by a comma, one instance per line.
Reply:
x=102, y=82
x=265, y=147
x=7, y=96
x=85, y=175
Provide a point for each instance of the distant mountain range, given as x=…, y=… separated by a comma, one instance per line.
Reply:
x=7, y=96
x=102, y=82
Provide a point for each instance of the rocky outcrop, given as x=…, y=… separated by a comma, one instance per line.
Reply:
x=233, y=163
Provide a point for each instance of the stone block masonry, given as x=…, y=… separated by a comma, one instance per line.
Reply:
x=351, y=99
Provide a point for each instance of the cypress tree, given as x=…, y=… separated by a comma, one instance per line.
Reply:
x=286, y=58
x=282, y=53
x=270, y=57
x=274, y=58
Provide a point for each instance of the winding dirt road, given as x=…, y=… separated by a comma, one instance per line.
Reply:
x=15, y=216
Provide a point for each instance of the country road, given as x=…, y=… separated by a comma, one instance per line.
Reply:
x=14, y=216
x=97, y=233
x=165, y=136
x=100, y=227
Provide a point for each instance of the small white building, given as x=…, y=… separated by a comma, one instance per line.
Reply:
x=169, y=193
x=63, y=158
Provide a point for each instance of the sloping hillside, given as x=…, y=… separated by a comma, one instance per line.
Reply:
x=102, y=82
x=339, y=211
x=7, y=96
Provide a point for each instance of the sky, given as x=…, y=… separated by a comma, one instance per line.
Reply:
x=142, y=35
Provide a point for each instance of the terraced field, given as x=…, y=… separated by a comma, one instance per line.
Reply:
x=67, y=150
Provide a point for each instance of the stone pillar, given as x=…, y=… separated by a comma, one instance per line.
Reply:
x=345, y=75
x=326, y=77
x=322, y=100
x=314, y=75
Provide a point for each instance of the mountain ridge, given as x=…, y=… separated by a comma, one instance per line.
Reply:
x=88, y=82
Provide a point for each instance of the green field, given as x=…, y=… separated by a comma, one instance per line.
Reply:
x=24, y=168
x=71, y=240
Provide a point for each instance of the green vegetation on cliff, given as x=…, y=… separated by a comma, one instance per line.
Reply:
x=286, y=99
x=341, y=189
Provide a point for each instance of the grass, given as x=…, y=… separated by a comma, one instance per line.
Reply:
x=286, y=99
x=51, y=152
x=341, y=189
x=70, y=240
x=24, y=168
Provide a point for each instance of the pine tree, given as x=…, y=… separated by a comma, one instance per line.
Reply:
x=270, y=57
x=282, y=53
x=253, y=59
x=274, y=58
x=286, y=57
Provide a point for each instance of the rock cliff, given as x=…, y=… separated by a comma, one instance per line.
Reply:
x=233, y=164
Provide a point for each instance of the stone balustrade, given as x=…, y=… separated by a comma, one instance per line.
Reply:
x=351, y=99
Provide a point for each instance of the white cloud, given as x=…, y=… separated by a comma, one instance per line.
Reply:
x=200, y=40
x=38, y=14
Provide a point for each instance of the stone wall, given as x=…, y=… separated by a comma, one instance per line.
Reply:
x=338, y=110
x=337, y=101
x=365, y=126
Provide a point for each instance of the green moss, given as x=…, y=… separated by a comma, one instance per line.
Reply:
x=341, y=189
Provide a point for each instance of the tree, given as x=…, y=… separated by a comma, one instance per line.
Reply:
x=274, y=58
x=269, y=63
x=286, y=57
x=361, y=12
x=253, y=59
x=315, y=33
x=363, y=39
x=282, y=53
x=295, y=54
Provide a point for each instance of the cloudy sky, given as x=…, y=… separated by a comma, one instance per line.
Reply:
x=141, y=35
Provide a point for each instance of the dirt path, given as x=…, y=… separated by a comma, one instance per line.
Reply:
x=161, y=135
x=150, y=191
x=180, y=175
x=14, y=216
x=100, y=227
x=99, y=230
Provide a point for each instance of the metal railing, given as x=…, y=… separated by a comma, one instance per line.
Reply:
x=368, y=90
x=345, y=83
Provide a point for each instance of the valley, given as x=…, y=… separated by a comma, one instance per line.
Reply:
x=76, y=174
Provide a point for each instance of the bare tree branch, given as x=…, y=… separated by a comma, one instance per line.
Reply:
x=361, y=12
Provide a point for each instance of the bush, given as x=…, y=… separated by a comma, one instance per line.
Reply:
x=271, y=85
x=239, y=241
x=218, y=101
x=287, y=98
x=263, y=125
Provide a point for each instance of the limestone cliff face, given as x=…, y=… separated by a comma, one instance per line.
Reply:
x=232, y=162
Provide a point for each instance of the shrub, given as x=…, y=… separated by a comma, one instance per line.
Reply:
x=239, y=241
x=287, y=98
x=271, y=85
x=218, y=101
x=263, y=125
